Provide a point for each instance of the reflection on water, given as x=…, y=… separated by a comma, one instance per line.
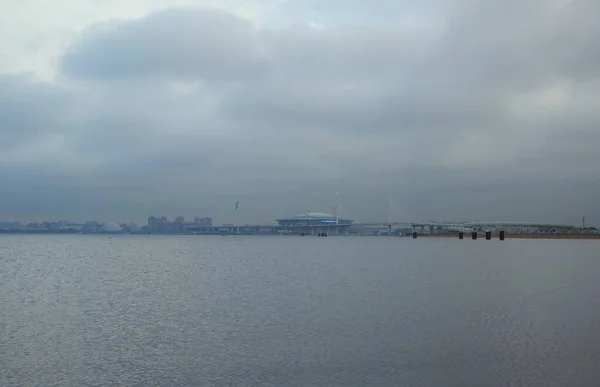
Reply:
x=290, y=311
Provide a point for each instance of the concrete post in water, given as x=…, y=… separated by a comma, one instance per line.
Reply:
x=488, y=235
x=474, y=235
x=461, y=235
x=501, y=235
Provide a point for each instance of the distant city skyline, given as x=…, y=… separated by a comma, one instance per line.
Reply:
x=310, y=223
x=207, y=220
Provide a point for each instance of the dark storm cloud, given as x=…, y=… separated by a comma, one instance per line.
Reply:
x=490, y=112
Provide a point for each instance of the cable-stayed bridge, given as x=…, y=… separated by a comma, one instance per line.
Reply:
x=432, y=227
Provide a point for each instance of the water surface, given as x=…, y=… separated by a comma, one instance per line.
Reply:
x=297, y=311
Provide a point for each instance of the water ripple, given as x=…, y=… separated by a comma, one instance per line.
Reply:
x=285, y=311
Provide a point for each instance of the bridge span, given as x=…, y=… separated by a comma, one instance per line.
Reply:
x=423, y=227
x=508, y=227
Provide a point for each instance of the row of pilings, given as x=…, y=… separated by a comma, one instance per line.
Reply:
x=320, y=235
x=461, y=235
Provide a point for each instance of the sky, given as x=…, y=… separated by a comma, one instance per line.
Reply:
x=455, y=109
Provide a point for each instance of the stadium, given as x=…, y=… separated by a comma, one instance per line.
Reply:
x=314, y=221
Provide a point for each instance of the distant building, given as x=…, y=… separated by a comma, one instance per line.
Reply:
x=163, y=225
x=52, y=226
x=151, y=223
x=10, y=226
x=133, y=228
x=198, y=221
x=90, y=227
x=70, y=227
x=110, y=228
x=313, y=219
x=314, y=222
x=177, y=225
x=159, y=224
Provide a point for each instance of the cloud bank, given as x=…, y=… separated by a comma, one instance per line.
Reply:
x=479, y=110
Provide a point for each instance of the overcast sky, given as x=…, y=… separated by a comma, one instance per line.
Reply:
x=457, y=109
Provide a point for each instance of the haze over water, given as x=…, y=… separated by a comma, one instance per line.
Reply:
x=293, y=311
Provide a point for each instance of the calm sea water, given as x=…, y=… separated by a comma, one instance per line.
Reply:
x=292, y=311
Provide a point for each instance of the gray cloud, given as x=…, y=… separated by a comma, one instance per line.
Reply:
x=181, y=43
x=489, y=112
x=29, y=112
